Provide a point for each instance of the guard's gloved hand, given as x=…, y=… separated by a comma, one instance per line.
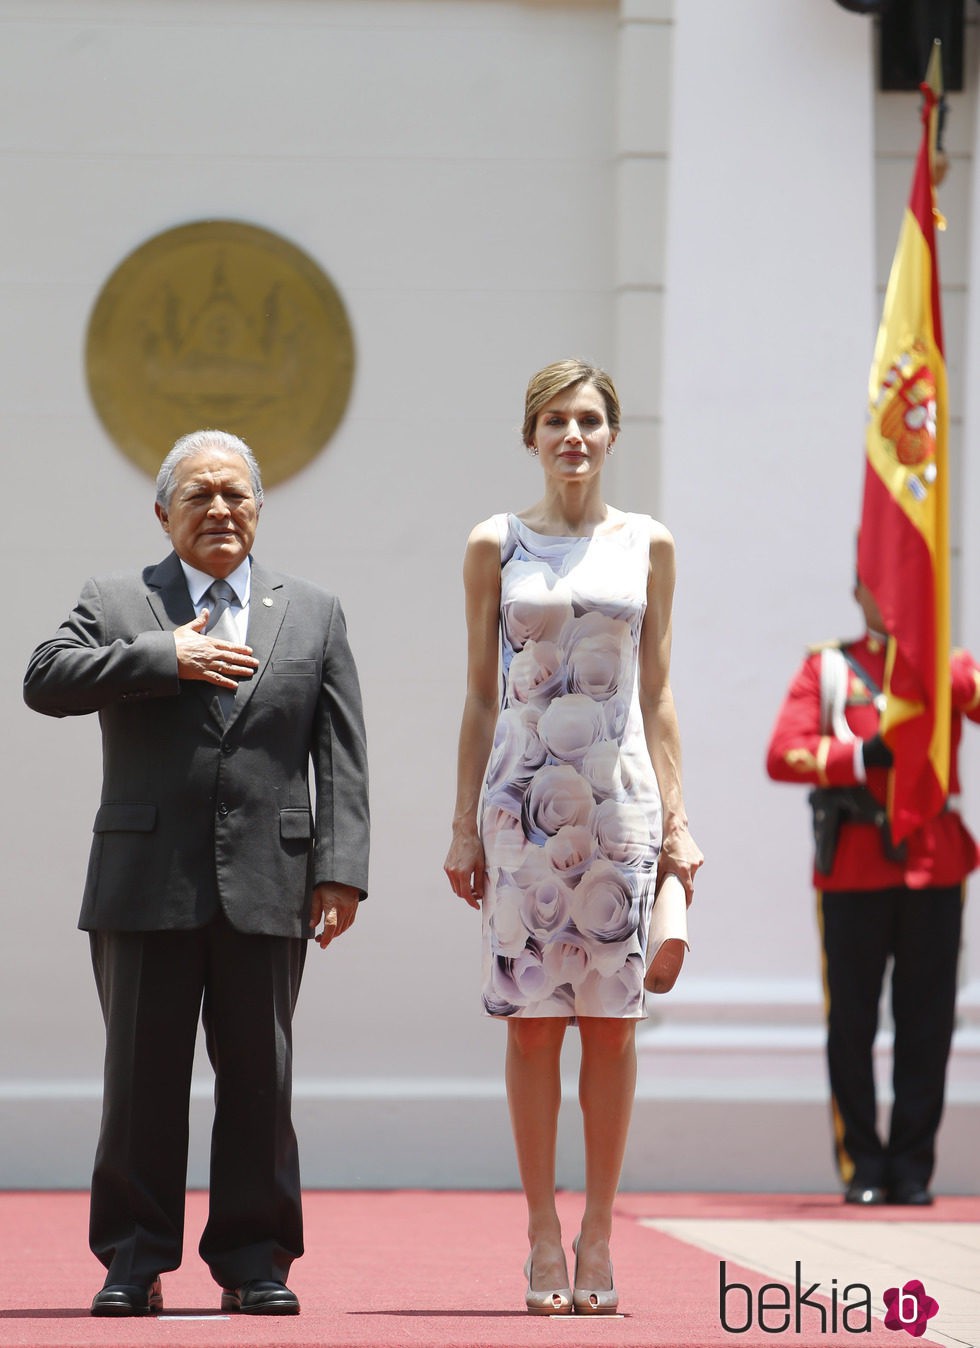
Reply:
x=876, y=753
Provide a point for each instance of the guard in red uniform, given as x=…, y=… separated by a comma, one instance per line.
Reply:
x=876, y=901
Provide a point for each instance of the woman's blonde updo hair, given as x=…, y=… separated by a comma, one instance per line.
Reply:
x=555, y=379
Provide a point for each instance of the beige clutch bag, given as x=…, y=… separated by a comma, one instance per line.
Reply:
x=667, y=940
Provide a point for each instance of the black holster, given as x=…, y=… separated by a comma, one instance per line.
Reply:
x=835, y=805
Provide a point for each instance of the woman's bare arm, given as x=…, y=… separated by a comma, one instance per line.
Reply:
x=680, y=854
x=464, y=864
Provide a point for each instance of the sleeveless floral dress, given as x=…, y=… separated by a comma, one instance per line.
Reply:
x=571, y=817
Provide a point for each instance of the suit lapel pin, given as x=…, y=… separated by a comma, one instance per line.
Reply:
x=267, y=601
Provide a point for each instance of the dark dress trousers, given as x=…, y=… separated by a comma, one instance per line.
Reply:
x=205, y=853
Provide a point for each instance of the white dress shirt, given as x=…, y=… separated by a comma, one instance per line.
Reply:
x=240, y=580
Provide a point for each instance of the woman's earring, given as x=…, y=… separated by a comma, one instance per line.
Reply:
x=533, y=450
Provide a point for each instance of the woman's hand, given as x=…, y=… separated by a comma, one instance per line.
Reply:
x=681, y=856
x=465, y=865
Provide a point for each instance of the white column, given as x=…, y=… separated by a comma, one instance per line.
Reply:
x=769, y=329
x=769, y=321
x=641, y=157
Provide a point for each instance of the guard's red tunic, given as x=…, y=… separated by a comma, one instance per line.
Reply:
x=942, y=852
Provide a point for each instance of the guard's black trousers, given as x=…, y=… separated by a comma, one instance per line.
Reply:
x=919, y=929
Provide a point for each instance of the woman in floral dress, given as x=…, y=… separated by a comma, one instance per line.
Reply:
x=569, y=795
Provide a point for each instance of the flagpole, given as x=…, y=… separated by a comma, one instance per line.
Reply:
x=938, y=160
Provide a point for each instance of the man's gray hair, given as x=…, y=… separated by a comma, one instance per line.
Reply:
x=194, y=443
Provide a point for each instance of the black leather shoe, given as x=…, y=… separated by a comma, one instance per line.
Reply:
x=910, y=1193
x=257, y=1297
x=864, y=1195
x=128, y=1299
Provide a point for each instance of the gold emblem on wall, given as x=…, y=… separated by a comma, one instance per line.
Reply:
x=220, y=324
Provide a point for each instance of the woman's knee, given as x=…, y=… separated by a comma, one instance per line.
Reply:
x=611, y=1037
x=535, y=1035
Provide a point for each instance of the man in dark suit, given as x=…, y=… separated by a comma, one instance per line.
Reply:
x=217, y=683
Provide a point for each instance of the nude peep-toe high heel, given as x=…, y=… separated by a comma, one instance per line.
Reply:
x=590, y=1300
x=556, y=1301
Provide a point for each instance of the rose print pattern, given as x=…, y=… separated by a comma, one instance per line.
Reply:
x=557, y=796
x=571, y=814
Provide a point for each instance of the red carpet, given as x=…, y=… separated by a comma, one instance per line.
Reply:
x=431, y=1269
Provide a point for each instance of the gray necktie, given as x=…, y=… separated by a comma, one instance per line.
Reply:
x=219, y=597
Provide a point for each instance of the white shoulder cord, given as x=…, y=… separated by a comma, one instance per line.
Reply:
x=834, y=683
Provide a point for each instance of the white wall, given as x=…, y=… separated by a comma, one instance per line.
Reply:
x=767, y=340
x=764, y=410
x=448, y=165
x=775, y=202
x=491, y=184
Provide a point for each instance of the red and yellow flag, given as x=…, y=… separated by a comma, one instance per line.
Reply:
x=903, y=546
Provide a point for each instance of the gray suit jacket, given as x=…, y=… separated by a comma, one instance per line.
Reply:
x=196, y=812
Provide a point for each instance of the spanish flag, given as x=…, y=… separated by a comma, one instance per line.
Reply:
x=903, y=546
